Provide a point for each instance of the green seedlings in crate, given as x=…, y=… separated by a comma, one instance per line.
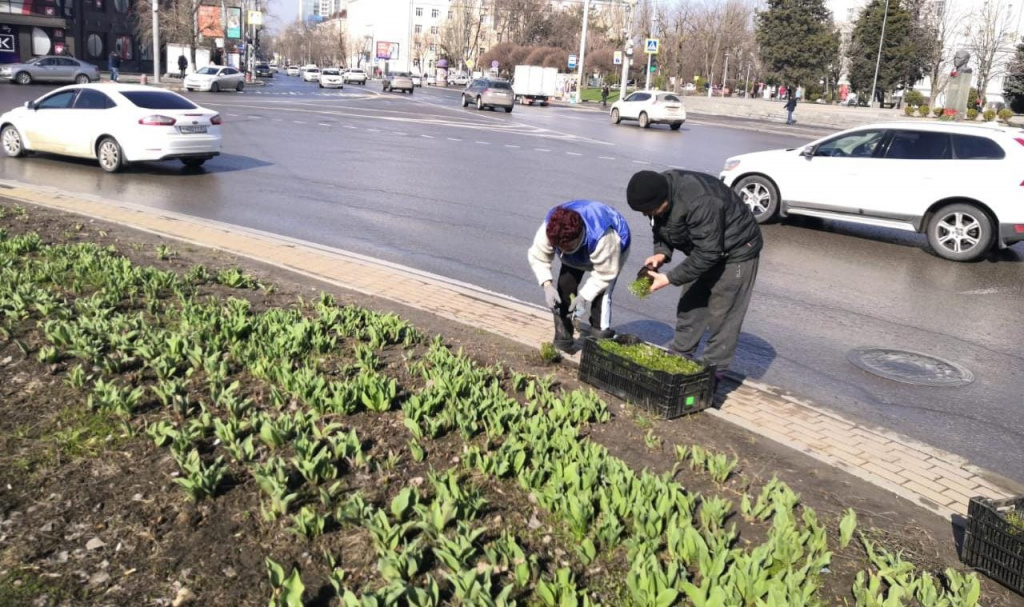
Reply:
x=652, y=357
x=641, y=287
x=652, y=440
x=548, y=353
x=846, y=527
x=1016, y=519
x=287, y=590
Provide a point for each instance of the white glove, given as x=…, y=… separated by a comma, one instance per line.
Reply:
x=578, y=307
x=551, y=297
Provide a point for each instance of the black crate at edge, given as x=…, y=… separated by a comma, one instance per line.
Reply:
x=666, y=394
x=992, y=545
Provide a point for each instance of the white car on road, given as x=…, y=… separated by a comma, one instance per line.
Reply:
x=355, y=75
x=311, y=74
x=215, y=78
x=959, y=184
x=291, y=70
x=115, y=124
x=331, y=78
x=650, y=107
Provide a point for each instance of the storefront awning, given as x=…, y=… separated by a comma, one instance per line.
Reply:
x=35, y=20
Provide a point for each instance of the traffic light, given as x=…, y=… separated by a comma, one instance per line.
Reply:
x=654, y=63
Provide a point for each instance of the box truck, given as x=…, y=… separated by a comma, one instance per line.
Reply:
x=534, y=84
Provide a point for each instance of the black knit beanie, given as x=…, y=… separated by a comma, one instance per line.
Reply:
x=646, y=191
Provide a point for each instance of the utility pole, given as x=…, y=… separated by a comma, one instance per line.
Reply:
x=746, y=83
x=156, y=41
x=628, y=50
x=650, y=29
x=878, y=62
x=583, y=51
x=725, y=74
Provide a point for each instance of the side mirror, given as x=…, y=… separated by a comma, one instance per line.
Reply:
x=808, y=151
x=30, y=105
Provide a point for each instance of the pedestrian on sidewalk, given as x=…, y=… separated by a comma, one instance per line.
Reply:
x=114, y=65
x=587, y=236
x=697, y=214
x=182, y=65
x=790, y=108
x=605, y=91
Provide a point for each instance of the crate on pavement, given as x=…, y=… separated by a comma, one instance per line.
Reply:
x=668, y=395
x=993, y=544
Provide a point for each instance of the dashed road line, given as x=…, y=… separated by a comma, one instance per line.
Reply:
x=453, y=139
x=233, y=115
x=324, y=123
x=349, y=126
x=508, y=145
x=299, y=121
x=373, y=130
x=541, y=150
x=606, y=157
x=640, y=162
x=427, y=136
x=574, y=154
x=484, y=142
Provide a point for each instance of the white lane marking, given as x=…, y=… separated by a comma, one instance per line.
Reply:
x=454, y=139
x=508, y=145
x=541, y=150
x=640, y=162
x=484, y=142
x=299, y=121
x=233, y=115
x=988, y=291
x=324, y=123
x=606, y=158
x=373, y=130
x=676, y=166
x=278, y=119
x=349, y=126
x=574, y=153
x=400, y=134
x=427, y=136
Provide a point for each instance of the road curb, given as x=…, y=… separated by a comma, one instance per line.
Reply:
x=934, y=479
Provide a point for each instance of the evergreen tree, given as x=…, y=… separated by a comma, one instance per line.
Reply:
x=797, y=41
x=1013, y=88
x=903, y=59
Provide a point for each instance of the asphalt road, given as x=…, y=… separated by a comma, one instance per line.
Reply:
x=418, y=180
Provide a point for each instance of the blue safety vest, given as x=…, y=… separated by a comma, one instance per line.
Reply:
x=597, y=218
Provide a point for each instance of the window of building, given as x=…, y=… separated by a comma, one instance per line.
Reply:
x=419, y=11
x=433, y=48
x=483, y=50
x=433, y=29
x=435, y=13
x=418, y=29
x=123, y=46
x=451, y=14
x=121, y=6
x=94, y=46
x=41, y=44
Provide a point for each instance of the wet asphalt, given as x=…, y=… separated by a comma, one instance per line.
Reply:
x=418, y=180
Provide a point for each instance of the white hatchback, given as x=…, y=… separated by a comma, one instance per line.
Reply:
x=650, y=107
x=958, y=183
x=115, y=124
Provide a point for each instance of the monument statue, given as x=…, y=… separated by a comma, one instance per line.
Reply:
x=959, y=88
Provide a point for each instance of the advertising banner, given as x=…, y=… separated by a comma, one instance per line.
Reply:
x=387, y=50
x=209, y=22
x=234, y=22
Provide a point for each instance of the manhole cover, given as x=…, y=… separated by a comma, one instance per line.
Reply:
x=910, y=367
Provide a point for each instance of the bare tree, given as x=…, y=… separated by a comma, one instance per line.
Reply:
x=989, y=37
x=460, y=34
x=179, y=23
x=940, y=22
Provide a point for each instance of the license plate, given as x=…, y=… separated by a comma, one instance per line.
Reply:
x=190, y=129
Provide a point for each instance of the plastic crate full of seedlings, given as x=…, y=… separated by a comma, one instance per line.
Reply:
x=994, y=541
x=648, y=376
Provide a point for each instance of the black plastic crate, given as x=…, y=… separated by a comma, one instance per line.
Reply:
x=992, y=545
x=666, y=394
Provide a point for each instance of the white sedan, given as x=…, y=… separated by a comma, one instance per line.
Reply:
x=330, y=78
x=310, y=74
x=292, y=70
x=958, y=183
x=355, y=75
x=650, y=107
x=115, y=124
x=215, y=78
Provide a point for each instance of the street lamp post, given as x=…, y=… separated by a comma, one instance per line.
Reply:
x=628, y=50
x=878, y=61
x=583, y=51
x=156, y=41
x=746, y=83
x=725, y=74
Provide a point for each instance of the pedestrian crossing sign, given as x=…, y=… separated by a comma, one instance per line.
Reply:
x=651, y=46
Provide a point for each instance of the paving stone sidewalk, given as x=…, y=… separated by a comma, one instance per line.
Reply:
x=936, y=480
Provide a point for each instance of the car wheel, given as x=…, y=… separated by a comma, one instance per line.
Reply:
x=240, y=87
x=760, y=195
x=479, y=103
x=321, y=85
x=193, y=163
x=214, y=88
x=10, y=139
x=81, y=79
x=645, y=122
x=110, y=155
x=188, y=89
x=960, y=232
x=465, y=102
x=23, y=78
x=675, y=126
x=508, y=110
x=615, y=116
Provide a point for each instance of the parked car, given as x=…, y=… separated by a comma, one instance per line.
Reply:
x=417, y=80
x=215, y=78
x=650, y=107
x=460, y=79
x=431, y=80
x=489, y=93
x=116, y=124
x=292, y=70
x=398, y=81
x=50, y=69
x=958, y=184
x=330, y=78
x=310, y=74
x=354, y=75
x=263, y=70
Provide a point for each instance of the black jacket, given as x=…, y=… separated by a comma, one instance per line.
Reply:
x=182, y=62
x=708, y=222
x=791, y=104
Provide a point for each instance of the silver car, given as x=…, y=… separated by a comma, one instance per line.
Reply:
x=50, y=69
x=398, y=81
x=215, y=78
x=487, y=92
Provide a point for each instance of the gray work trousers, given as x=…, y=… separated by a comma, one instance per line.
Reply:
x=717, y=302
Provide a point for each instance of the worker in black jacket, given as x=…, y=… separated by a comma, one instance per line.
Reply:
x=699, y=215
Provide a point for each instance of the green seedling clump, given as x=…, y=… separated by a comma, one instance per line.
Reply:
x=651, y=357
x=641, y=287
x=548, y=353
x=1016, y=520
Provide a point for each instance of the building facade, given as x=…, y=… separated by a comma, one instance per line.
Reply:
x=30, y=28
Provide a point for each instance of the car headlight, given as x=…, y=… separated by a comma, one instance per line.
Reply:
x=731, y=164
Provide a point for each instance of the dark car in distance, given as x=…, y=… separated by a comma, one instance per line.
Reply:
x=263, y=70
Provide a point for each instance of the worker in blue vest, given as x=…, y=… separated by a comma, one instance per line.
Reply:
x=588, y=237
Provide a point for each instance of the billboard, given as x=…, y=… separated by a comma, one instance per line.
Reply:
x=209, y=22
x=387, y=50
x=234, y=22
